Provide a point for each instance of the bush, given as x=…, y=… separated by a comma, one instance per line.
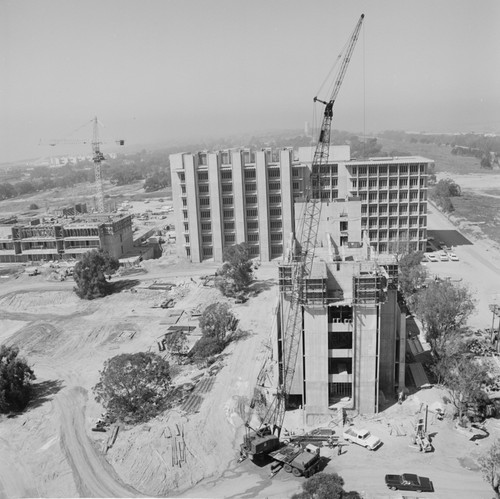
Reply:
x=15, y=380
x=90, y=274
x=34, y=206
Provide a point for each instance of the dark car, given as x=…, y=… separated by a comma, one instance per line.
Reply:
x=409, y=481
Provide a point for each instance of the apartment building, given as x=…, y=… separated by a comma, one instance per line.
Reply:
x=239, y=195
x=351, y=344
x=62, y=238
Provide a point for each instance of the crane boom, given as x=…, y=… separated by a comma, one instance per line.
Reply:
x=307, y=235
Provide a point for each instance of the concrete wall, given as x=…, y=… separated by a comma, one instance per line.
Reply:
x=316, y=355
x=390, y=318
x=239, y=198
x=215, y=206
x=262, y=200
x=365, y=319
x=177, y=164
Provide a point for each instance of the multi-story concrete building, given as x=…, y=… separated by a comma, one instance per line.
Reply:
x=228, y=197
x=64, y=238
x=351, y=342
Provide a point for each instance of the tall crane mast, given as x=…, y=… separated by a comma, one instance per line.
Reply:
x=97, y=158
x=307, y=235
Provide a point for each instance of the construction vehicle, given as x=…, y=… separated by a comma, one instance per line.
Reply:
x=97, y=158
x=297, y=460
x=258, y=443
x=301, y=260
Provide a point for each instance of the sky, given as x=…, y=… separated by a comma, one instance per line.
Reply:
x=158, y=71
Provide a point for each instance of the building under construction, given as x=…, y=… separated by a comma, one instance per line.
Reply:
x=351, y=350
x=40, y=239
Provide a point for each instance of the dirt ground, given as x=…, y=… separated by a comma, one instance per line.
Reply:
x=50, y=450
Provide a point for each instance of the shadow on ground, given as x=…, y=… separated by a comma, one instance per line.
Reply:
x=123, y=285
x=448, y=237
x=259, y=286
x=44, y=391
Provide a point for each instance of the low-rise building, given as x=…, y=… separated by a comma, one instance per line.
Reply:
x=64, y=238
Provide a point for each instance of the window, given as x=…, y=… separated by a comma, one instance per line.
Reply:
x=228, y=225
x=186, y=238
x=229, y=238
x=184, y=202
x=250, y=187
x=225, y=158
x=251, y=199
x=295, y=172
x=382, y=170
x=228, y=213
x=413, y=182
x=182, y=177
x=183, y=189
x=372, y=196
x=275, y=199
x=248, y=157
x=203, y=189
x=362, y=196
x=362, y=184
x=185, y=214
x=276, y=236
x=276, y=249
x=188, y=251
x=273, y=173
x=354, y=170
x=354, y=183
x=275, y=212
x=204, y=201
x=227, y=201
x=373, y=210
x=403, y=195
x=414, y=168
x=295, y=186
x=205, y=214
x=253, y=238
x=403, y=182
x=226, y=175
x=373, y=170
x=206, y=238
x=202, y=176
x=276, y=224
x=227, y=188
x=186, y=226
x=274, y=186
x=335, y=169
x=202, y=158
x=373, y=181
x=207, y=252
x=249, y=174
x=251, y=212
x=206, y=226
x=362, y=170
x=252, y=225
x=382, y=196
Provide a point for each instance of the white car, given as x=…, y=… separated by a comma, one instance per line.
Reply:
x=362, y=437
x=443, y=256
x=432, y=257
x=453, y=257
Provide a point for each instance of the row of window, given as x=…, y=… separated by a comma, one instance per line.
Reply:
x=393, y=183
x=381, y=169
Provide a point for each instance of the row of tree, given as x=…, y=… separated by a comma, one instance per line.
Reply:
x=442, y=192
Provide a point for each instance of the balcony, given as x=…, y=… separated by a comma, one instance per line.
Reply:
x=340, y=378
x=346, y=353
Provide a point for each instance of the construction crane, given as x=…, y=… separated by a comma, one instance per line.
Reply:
x=97, y=158
x=303, y=258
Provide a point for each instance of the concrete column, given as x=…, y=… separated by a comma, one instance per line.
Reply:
x=316, y=359
x=239, y=197
x=177, y=165
x=193, y=208
x=262, y=200
x=215, y=205
x=365, y=357
x=286, y=194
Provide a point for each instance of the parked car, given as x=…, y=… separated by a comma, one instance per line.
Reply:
x=432, y=257
x=409, y=481
x=443, y=256
x=362, y=437
x=453, y=257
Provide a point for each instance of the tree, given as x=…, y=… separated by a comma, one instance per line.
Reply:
x=464, y=377
x=134, y=387
x=325, y=486
x=236, y=273
x=217, y=321
x=15, y=380
x=443, y=307
x=176, y=342
x=34, y=206
x=217, y=324
x=490, y=466
x=90, y=274
x=412, y=275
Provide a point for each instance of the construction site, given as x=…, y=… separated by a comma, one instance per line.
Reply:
x=327, y=372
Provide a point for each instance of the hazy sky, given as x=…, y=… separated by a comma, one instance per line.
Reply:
x=159, y=70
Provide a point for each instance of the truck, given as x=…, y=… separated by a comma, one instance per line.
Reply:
x=362, y=437
x=298, y=460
